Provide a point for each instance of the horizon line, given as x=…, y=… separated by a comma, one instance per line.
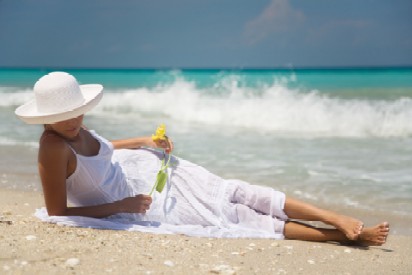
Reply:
x=213, y=68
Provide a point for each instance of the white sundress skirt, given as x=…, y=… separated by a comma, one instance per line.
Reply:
x=195, y=196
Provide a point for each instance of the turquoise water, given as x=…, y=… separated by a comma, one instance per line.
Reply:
x=311, y=78
x=340, y=137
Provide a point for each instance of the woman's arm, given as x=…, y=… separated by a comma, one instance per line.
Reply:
x=54, y=163
x=134, y=143
x=136, y=204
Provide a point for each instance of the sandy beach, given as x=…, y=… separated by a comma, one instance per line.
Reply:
x=312, y=101
x=29, y=246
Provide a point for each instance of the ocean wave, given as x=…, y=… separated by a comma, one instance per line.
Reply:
x=12, y=97
x=267, y=108
x=274, y=109
x=12, y=142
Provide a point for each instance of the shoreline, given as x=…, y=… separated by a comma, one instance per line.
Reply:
x=29, y=246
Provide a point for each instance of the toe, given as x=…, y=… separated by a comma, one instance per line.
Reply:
x=360, y=228
x=382, y=226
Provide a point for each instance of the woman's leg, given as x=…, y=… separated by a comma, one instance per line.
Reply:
x=296, y=209
x=304, y=232
x=369, y=236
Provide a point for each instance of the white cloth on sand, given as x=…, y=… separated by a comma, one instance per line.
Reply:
x=194, y=202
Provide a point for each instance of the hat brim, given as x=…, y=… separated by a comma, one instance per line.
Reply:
x=92, y=94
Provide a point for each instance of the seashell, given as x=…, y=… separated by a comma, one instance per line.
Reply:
x=72, y=262
x=169, y=263
x=311, y=261
x=223, y=269
x=31, y=237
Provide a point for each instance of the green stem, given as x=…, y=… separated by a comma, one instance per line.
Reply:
x=162, y=167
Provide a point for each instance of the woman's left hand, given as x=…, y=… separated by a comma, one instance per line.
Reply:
x=166, y=144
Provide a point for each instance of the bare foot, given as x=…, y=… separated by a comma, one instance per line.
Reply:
x=351, y=227
x=374, y=235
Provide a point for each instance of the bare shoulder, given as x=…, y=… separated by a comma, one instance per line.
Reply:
x=50, y=142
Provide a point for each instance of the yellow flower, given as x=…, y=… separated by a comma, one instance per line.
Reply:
x=162, y=175
x=160, y=133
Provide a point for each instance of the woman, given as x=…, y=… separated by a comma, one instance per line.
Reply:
x=101, y=179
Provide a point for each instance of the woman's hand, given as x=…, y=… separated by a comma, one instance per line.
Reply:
x=137, y=204
x=166, y=144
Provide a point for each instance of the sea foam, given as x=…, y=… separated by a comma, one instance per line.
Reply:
x=266, y=108
x=274, y=109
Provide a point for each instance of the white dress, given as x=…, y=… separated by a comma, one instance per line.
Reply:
x=194, y=201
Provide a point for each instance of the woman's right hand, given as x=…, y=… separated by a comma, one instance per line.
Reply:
x=137, y=204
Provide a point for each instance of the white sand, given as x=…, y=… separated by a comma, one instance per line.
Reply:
x=29, y=246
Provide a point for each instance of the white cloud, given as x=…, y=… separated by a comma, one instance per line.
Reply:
x=277, y=17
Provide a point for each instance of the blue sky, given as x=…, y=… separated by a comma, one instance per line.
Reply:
x=205, y=33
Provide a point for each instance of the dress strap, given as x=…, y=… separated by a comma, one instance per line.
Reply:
x=101, y=139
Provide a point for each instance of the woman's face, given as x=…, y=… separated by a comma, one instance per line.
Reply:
x=68, y=128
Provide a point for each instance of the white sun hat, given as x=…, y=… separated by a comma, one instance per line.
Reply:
x=58, y=97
